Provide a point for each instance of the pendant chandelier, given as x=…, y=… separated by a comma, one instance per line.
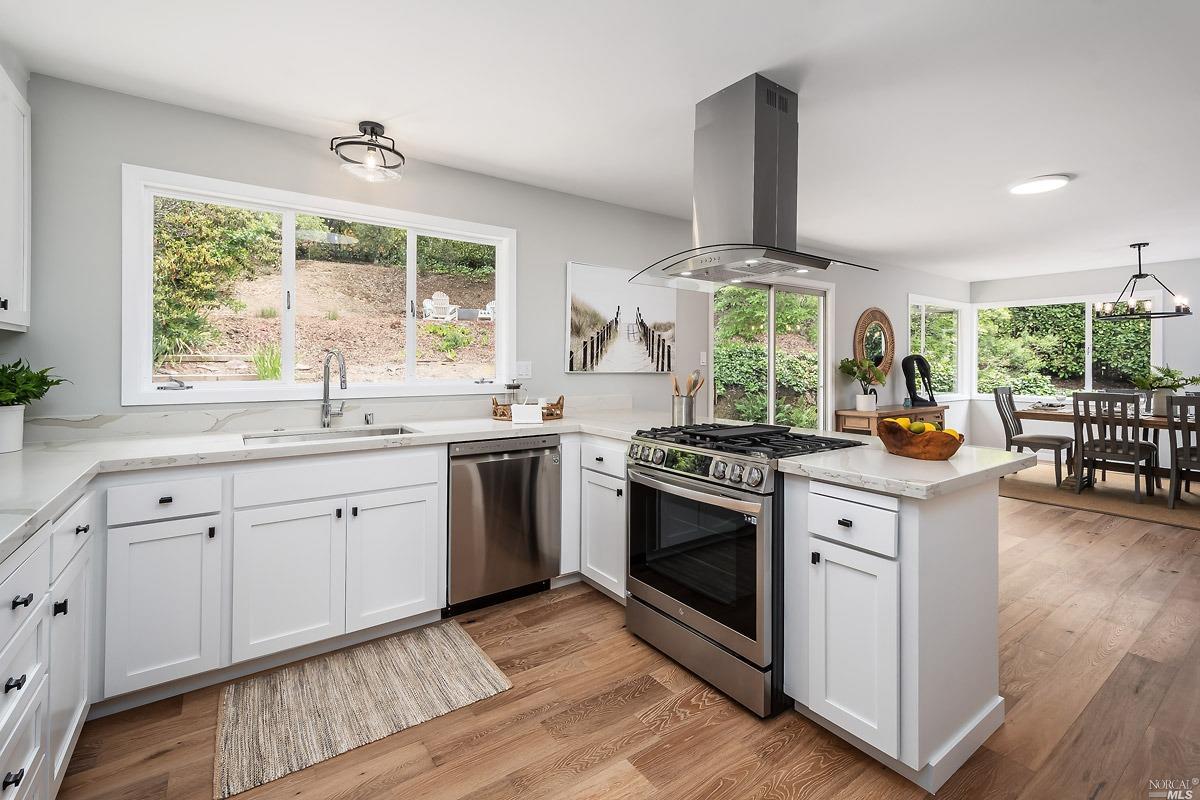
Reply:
x=1127, y=306
x=369, y=155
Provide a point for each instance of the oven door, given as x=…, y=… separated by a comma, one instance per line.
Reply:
x=701, y=554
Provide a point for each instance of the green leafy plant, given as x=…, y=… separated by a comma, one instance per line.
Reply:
x=864, y=371
x=450, y=337
x=268, y=362
x=1163, y=377
x=268, y=313
x=333, y=315
x=20, y=384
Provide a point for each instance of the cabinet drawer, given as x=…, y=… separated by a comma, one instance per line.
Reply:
x=22, y=664
x=865, y=527
x=147, y=502
x=606, y=458
x=70, y=532
x=23, y=592
x=21, y=760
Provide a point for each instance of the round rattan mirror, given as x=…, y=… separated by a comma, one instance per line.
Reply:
x=874, y=338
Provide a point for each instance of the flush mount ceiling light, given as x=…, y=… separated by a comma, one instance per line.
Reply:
x=1127, y=306
x=1041, y=184
x=369, y=155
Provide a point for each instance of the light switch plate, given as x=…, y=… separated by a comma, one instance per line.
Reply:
x=524, y=369
x=704, y=358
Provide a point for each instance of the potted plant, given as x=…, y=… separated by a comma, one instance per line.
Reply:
x=20, y=385
x=868, y=375
x=1161, y=383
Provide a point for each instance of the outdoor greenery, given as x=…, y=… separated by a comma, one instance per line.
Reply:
x=330, y=239
x=940, y=346
x=740, y=356
x=1041, y=350
x=450, y=337
x=20, y=384
x=268, y=362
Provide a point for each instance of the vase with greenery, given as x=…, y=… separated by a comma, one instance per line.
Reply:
x=1161, y=383
x=20, y=385
x=868, y=374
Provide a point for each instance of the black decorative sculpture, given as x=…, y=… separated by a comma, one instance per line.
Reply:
x=912, y=365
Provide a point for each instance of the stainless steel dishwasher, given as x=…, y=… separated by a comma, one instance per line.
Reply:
x=505, y=518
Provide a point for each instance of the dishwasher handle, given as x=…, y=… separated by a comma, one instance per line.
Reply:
x=502, y=447
x=519, y=455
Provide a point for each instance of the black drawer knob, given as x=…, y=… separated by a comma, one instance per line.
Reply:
x=14, y=683
x=82, y=528
x=13, y=780
x=816, y=558
x=60, y=608
x=19, y=601
x=600, y=458
x=162, y=501
x=845, y=523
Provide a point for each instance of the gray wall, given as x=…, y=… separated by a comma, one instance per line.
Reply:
x=82, y=135
x=12, y=66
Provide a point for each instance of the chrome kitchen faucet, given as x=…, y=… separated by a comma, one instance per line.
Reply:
x=327, y=412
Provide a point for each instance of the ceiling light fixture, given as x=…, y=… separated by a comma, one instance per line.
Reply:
x=1041, y=184
x=369, y=155
x=1128, y=306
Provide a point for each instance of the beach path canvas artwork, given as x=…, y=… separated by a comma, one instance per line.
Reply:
x=616, y=326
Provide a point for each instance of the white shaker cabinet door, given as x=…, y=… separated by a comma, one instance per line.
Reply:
x=853, y=642
x=289, y=576
x=163, y=602
x=392, y=556
x=70, y=646
x=14, y=207
x=602, y=530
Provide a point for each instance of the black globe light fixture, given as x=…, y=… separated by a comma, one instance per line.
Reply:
x=369, y=155
x=1127, y=306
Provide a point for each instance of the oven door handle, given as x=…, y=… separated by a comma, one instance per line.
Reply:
x=708, y=498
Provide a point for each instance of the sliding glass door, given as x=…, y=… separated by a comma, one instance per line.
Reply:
x=768, y=355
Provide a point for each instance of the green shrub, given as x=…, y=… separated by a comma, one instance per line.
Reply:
x=333, y=315
x=268, y=313
x=450, y=337
x=268, y=362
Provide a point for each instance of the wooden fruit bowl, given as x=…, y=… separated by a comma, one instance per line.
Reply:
x=932, y=446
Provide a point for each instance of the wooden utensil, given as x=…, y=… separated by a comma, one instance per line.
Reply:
x=696, y=388
x=675, y=384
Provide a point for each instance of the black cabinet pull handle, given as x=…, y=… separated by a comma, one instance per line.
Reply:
x=19, y=601
x=3, y=304
x=162, y=501
x=212, y=533
x=338, y=512
x=354, y=511
x=845, y=523
x=14, y=683
x=60, y=607
x=82, y=529
x=600, y=458
x=620, y=492
x=816, y=558
x=13, y=780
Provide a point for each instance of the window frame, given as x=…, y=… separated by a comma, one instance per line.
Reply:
x=140, y=185
x=1157, y=297
x=966, y=341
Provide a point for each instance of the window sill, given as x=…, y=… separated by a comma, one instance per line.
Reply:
x=249, y=393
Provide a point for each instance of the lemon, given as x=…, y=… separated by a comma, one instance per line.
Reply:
x=952, y=432
x=903, y=422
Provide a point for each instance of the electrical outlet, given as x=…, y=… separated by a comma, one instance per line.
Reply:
x=524, y=369
x=704, y=358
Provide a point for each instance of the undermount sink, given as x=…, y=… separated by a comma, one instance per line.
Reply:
x=331, y=434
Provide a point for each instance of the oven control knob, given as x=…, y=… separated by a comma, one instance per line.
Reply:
x=754, y=476
x=719, y=470
x=645, y=452
x=735, y=473
x=633, y=450
x=659, y=456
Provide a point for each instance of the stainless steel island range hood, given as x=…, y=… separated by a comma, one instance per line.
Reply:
x=744, y=194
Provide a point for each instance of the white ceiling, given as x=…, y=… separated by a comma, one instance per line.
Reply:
x=914, y=116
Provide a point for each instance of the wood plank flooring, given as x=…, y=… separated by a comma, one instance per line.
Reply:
x=1100, y=668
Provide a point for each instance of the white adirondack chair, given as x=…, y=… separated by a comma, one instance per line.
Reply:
x=439, y=309
x=488, y=311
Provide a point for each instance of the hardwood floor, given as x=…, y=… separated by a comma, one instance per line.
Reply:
x=1100, y=668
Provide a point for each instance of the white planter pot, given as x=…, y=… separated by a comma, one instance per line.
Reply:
x=865, y=402
x=1158, y=402
x=12, y=428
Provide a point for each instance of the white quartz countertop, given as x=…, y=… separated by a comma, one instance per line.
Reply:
x=38, y=483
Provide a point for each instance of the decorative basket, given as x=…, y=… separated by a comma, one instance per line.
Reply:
x=503, y=411
x=930, y=446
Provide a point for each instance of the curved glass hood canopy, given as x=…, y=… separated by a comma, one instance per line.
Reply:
x=744, y=194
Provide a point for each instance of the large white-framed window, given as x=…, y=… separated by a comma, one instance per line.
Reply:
x=940, y=330
x=232, y=292
x=1051, y=347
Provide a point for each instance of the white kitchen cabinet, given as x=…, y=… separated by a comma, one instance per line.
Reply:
x=853, y=642
x=15, y=207
x=289, y=576
x=602, y=531
x=163, y=602
x=569, y=549
x=70, y=645
x=392, y=556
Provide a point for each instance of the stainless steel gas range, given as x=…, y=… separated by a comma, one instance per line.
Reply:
x=705, y=529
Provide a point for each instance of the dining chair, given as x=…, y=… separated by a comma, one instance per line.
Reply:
x=1183, y=428
x=1108, y=427
x=1014, y=434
